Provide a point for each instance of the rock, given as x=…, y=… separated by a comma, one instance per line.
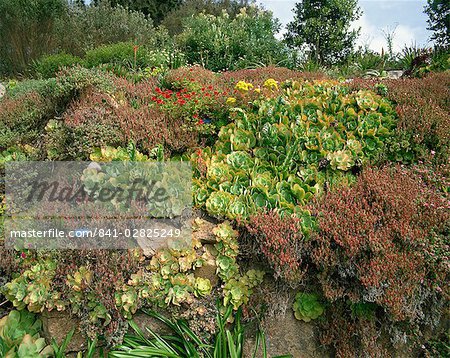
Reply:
x=150, y=245
x=204, y=231
x=2, y=90
x=209, y=272
x=287, y=335
x=58, y=324
x=394, y=74
x=209, y=268
x=145, y=321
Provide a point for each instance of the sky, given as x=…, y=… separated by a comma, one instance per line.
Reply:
x=405, y=16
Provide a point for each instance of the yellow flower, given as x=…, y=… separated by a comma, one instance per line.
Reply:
x=231, y=100
x=271, y=84
x=243, y=86
x=258, y=90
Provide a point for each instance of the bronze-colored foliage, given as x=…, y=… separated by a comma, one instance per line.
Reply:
x=423, y=108
x=374, y=238
x=280, y=241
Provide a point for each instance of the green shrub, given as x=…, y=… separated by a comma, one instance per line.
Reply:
x=48, y=66
x=220, y=42
x=119, y=53
x=24, y=111
x=85, y=28
x=27, y=31
x=133, y=62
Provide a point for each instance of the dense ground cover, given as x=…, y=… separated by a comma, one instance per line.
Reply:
x=340, y=189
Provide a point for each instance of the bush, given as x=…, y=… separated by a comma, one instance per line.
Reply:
x=27, y=107
x=121, y=53
x=423, y=109
x=26, y=30
x=25, y=110
x=188, y=77
x=129, y=112
x=382, y=242
x=280, y=242
x=85, y=28
x=48, y=66
x=221, y=43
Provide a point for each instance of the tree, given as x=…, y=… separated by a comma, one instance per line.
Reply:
x=26, y=31
x=438, y=12
x=173, y=21
x=323, y=28
x=155, y=9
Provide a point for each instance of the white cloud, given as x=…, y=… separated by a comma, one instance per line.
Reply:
x=375, y=37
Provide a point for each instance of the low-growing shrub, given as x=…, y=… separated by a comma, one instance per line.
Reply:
x=423, y=109
x=25, y=110
x=259, y=75
x=188, y=77
x=28, y=106
x=135, y=113
x=383, y=242
x=48, y=66
x=280, y=241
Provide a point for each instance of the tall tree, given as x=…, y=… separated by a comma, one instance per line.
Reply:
x=323, y=28
x=438, y=12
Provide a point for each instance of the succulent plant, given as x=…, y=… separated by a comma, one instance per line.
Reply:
x=32, y=347
x=237, y=290
x=288, y=136
x=19, y=336
x=202, y=287
x=307, y=306
x=32, y=289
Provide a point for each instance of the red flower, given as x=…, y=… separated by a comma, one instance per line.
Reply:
x=158, y=90
x=23, y=255
x=181, y=102
x=200, y=121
